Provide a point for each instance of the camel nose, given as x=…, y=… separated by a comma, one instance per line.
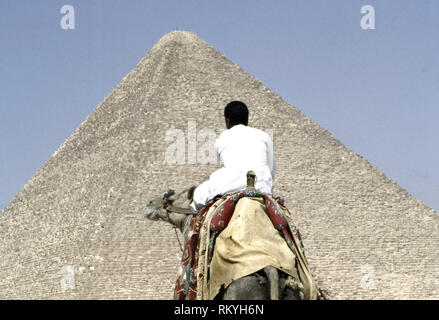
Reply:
x=149, y=213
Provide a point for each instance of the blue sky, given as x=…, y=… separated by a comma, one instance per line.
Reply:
x=377, y=91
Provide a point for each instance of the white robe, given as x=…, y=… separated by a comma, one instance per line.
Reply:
x=239, y=149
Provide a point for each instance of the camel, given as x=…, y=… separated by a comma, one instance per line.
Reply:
x=266, y=284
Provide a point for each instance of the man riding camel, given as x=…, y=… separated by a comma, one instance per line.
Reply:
x=263, y=238
x=240, y=149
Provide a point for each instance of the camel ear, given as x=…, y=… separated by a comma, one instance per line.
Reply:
x=169, y=196
x=169, y=193
x=190, y=193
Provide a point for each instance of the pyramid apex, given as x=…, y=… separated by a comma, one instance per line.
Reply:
x=179, y=36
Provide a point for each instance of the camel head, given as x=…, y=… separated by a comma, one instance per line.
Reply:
x=157, y=208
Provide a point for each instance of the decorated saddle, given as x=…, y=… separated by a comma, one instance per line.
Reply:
x=235, y=235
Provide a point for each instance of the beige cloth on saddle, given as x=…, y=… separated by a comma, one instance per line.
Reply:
x=248, y=244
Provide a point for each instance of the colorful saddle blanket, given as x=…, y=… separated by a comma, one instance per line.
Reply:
x=193, y=266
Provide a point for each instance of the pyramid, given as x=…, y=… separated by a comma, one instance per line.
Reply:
x=77, y=231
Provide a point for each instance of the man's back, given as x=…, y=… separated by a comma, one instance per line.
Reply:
x=240, y=149
x=245, y=148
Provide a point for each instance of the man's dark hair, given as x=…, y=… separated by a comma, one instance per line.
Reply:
x=237, y=113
